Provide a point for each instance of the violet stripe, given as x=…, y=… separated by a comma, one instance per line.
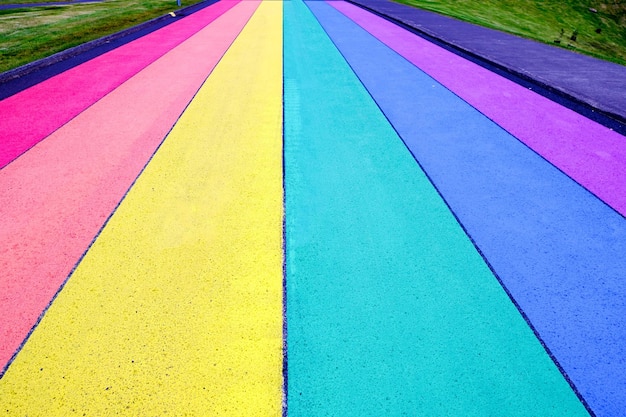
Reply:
x=588, y=152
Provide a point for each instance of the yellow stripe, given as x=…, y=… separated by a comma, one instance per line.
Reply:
x=177, y=308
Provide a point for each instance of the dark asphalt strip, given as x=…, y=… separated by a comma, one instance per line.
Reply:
x=613, y=119
x=21, y=78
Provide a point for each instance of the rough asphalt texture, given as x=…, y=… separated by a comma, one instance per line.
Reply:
x=591, y=81
x=441, y=253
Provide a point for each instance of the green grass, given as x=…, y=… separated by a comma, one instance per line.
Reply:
x=29, y=34
x=29, y=1
x=543, y=20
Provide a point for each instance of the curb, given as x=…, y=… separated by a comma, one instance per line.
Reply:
x=593, y=111
x=88, y=46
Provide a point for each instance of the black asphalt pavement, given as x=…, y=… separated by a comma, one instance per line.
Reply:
x=594, y=83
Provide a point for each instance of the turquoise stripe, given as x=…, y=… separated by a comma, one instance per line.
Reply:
x=558, y=248
x=390, y=309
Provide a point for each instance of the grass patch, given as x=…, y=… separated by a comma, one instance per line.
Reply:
x=29, y=34
x=566, y=23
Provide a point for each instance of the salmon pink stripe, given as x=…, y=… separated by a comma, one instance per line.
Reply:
x=31, y=115
x=55, y=198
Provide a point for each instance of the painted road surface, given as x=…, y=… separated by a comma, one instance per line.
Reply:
x=66, y=95
x=61, y=192
x=549, y=241
x=590, y=153
x=167, y=305
x=292, y=210
x=388, y=301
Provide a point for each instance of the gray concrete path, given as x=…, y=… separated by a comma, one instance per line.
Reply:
x=598, y=84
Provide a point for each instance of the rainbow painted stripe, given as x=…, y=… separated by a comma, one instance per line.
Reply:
x=233, y=223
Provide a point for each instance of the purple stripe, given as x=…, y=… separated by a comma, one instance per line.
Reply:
x=588, y=152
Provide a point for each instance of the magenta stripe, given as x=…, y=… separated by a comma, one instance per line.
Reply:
x=588, y=152
x=31, y=115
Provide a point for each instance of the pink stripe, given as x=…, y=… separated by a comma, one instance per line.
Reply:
x=588, y=152
x=31, y=115
x=55, y=198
